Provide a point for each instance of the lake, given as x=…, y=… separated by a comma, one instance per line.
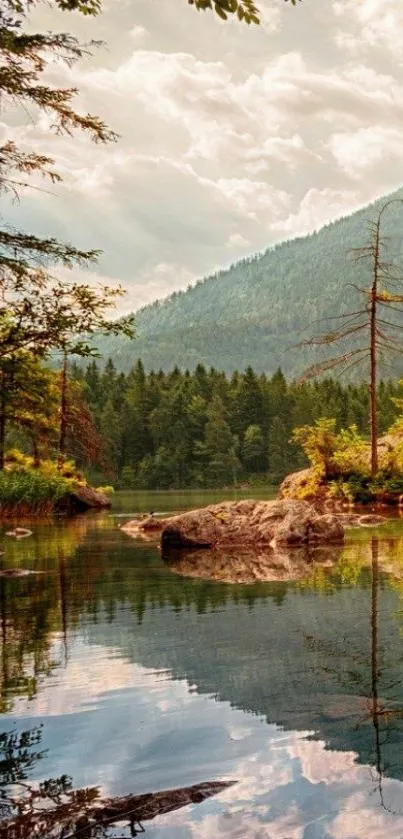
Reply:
x=134, y=679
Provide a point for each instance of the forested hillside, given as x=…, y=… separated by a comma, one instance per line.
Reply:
x=206, y=429
x=255, y=312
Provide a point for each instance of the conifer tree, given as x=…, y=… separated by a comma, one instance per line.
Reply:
x=38, y=310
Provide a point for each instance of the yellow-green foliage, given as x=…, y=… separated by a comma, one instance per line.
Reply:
x=351, y=452
x=318, y=442
x=16, y=461
x=342, y=490
x=27, y=489
x=309, y=488
x=330, y=453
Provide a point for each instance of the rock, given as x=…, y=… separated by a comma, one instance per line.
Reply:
x=82, y=498
x=243, y=523
x=144, y=528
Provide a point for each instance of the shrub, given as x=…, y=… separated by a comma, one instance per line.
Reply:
x=23, y=491
x=351, y=453
x=318, y=442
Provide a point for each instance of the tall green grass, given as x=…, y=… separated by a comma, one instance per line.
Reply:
x=30, y=493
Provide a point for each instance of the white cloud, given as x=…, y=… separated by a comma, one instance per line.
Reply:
x=236, y=240
x=375, y=23
x=317, y=208
x=138, y=33
x=358, y=151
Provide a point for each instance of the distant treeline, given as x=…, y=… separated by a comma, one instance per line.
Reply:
x=205, y=429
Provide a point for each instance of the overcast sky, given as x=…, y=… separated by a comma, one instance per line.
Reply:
x=232, y=137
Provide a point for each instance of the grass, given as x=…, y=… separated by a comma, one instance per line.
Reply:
x=30, y=493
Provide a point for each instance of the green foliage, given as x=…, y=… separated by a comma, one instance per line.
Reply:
x=243, y=9
x=22, y=491
x=39, y=312
x=319, y=444
x=342, y=461
x=176, y=430
x=351, y=452
x=354, y=488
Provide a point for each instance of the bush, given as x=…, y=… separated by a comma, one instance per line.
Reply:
x=30, y=492
x=318, y=442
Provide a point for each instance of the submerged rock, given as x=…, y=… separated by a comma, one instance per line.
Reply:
x=243, y=523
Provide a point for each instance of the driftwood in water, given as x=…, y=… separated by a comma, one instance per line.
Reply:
x=82, y=814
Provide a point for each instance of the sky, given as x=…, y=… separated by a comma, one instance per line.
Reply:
x=231, y=137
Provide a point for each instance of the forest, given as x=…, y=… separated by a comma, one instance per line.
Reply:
x=205, y=429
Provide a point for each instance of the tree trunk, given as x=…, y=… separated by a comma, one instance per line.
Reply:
x=63, y=414
x=372, y=357
x=3, y=407
x=81, y=818
x=2, y=433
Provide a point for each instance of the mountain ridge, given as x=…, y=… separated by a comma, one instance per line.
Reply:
x=256, y=311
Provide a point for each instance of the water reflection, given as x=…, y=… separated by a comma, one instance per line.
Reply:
x=53, y=808
x=245, y=566
x=384, y=714
x=146, y=679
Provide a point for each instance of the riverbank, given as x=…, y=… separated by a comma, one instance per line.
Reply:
x=26, y=492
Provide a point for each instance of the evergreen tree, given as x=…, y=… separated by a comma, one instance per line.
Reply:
x=279, y=450
x=253, y=449
x=219, y=447
x=109, y=426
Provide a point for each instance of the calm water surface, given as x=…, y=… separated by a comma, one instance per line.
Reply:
x=137, y=680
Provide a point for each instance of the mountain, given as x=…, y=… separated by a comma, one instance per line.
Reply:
x=255, y=312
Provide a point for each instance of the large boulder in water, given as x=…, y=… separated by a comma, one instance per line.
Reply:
x=243, y=523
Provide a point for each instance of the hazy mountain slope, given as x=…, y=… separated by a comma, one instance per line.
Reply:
x=254, y=312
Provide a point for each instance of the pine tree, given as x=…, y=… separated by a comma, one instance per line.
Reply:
x=39, y=312
x=220, y=447
x=253, y=449
x=279, y=450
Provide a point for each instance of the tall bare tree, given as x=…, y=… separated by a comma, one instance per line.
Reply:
x=370, y=331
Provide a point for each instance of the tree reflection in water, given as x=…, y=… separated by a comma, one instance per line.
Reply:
x=52, y=809
x=372, y=703
x=382, y=714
